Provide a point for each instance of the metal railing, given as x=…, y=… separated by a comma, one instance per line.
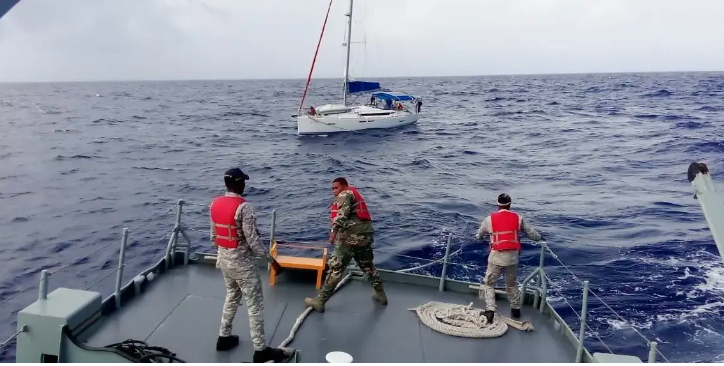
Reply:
x=537, y=281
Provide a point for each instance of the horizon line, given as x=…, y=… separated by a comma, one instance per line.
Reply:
x=365, y=78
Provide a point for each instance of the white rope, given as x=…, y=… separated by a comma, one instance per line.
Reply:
x=306, y=312
x=465, y=321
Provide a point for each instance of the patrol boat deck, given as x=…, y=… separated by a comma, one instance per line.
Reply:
x=176, y=304
x=182, y=309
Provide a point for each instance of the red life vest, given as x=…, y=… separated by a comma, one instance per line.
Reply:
x=505, y=225
x=359, y=206
x=223, y=217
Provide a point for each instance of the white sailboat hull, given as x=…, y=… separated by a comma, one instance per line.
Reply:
x=355, y=119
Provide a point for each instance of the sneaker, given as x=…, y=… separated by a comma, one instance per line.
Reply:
x=515, y=313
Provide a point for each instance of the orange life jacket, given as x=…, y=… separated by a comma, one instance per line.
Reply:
x=359, y=206
x=223, y=217
x=505, y=225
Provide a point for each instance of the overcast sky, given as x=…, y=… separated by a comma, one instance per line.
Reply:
x=45, y=40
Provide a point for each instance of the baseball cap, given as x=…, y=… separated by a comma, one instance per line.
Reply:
x=504, y=199
x=236, y=174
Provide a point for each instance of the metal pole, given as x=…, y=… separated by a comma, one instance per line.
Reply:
x=444, y=263
x=273, y=228
x=543, y=282
x=177, y=227
x=43, y=293
x=652, y=352
x=582, y=332
x=349, y=45
x=121, y=264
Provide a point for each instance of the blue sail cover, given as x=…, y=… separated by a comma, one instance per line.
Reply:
x=355, y=87
x=6, y=5
x=393, y=96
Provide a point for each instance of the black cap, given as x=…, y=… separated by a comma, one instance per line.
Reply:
x=236, y=174
x=504, y=199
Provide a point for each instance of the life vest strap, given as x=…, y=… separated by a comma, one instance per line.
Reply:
x=230, y=228
x=496, y=235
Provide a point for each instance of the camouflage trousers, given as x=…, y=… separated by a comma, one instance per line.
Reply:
x=242, y=280
x=511, y=286
x=359, y=248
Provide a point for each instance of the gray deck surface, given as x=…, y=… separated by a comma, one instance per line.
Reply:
x=181, y=310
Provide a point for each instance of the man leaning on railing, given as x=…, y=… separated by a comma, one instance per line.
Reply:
x=503, y=227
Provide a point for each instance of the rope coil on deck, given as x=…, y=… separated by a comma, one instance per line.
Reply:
x=465, y=320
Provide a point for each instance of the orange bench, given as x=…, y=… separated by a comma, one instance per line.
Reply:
x=286, y=261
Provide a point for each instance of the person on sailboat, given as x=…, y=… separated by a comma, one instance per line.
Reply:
x=353, y=235
x=503, y=227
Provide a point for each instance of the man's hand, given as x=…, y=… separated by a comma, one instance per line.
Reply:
x=332, y=236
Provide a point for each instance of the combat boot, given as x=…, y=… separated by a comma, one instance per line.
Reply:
x=276, y=355
x=489, y=314
x=317, y=304
x=227, y=343
x=515, y=313
x=380, y=297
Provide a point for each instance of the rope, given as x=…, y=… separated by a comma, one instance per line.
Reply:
x=141, y=352
x=465, y=321
x=314, y=60
x=12, y=338
x=152, y=219
x=604, y=303
x=565, y=301
x=306, y=312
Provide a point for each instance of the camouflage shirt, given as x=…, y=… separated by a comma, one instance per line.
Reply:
x=347, y=222
x=250, y=243
x=506, y=257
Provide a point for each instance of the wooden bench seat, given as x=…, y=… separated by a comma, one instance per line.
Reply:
x=287, y=261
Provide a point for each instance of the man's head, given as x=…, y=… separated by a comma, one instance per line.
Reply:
x=235, y=180
x=504, y=201
x=338, y=185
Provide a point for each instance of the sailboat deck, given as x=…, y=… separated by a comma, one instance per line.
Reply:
x=181, y=310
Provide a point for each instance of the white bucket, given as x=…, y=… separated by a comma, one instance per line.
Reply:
x=339, y=357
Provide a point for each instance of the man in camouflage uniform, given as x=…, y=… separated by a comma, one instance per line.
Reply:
x=503, y=260
x=354, y=237
x=241, y=275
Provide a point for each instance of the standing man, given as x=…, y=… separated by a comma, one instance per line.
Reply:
x=503, y=227
x=352, y=229
x=234, y=232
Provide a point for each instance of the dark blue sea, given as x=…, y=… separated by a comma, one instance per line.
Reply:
x=596, y=162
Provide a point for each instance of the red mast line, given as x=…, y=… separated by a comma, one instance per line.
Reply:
x=309, y=78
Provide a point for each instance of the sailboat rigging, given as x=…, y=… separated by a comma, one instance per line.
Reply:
x=385, y=109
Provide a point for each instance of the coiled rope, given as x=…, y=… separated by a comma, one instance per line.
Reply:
x=465, y=320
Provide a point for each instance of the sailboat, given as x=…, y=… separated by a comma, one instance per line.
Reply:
x=383, y=109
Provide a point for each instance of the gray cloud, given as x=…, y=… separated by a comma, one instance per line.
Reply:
x=193, y=39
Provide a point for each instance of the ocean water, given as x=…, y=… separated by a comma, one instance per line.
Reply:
x=597, y=163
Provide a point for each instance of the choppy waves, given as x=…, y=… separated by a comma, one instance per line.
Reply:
x=596, y=162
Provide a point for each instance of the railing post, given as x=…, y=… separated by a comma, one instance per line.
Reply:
x=444, y=262
x=43, y=292
x=177, y=227
x=542, y=274
x=652, y=352
x=582, y=332
x=273, y=227
x=121, y=264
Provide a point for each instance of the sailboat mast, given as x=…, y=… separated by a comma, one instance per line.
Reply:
x=349, y=44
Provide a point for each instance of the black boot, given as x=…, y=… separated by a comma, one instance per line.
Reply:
x=227, y=343
x=489, y=316
x=276, y=355
x=515, y=313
